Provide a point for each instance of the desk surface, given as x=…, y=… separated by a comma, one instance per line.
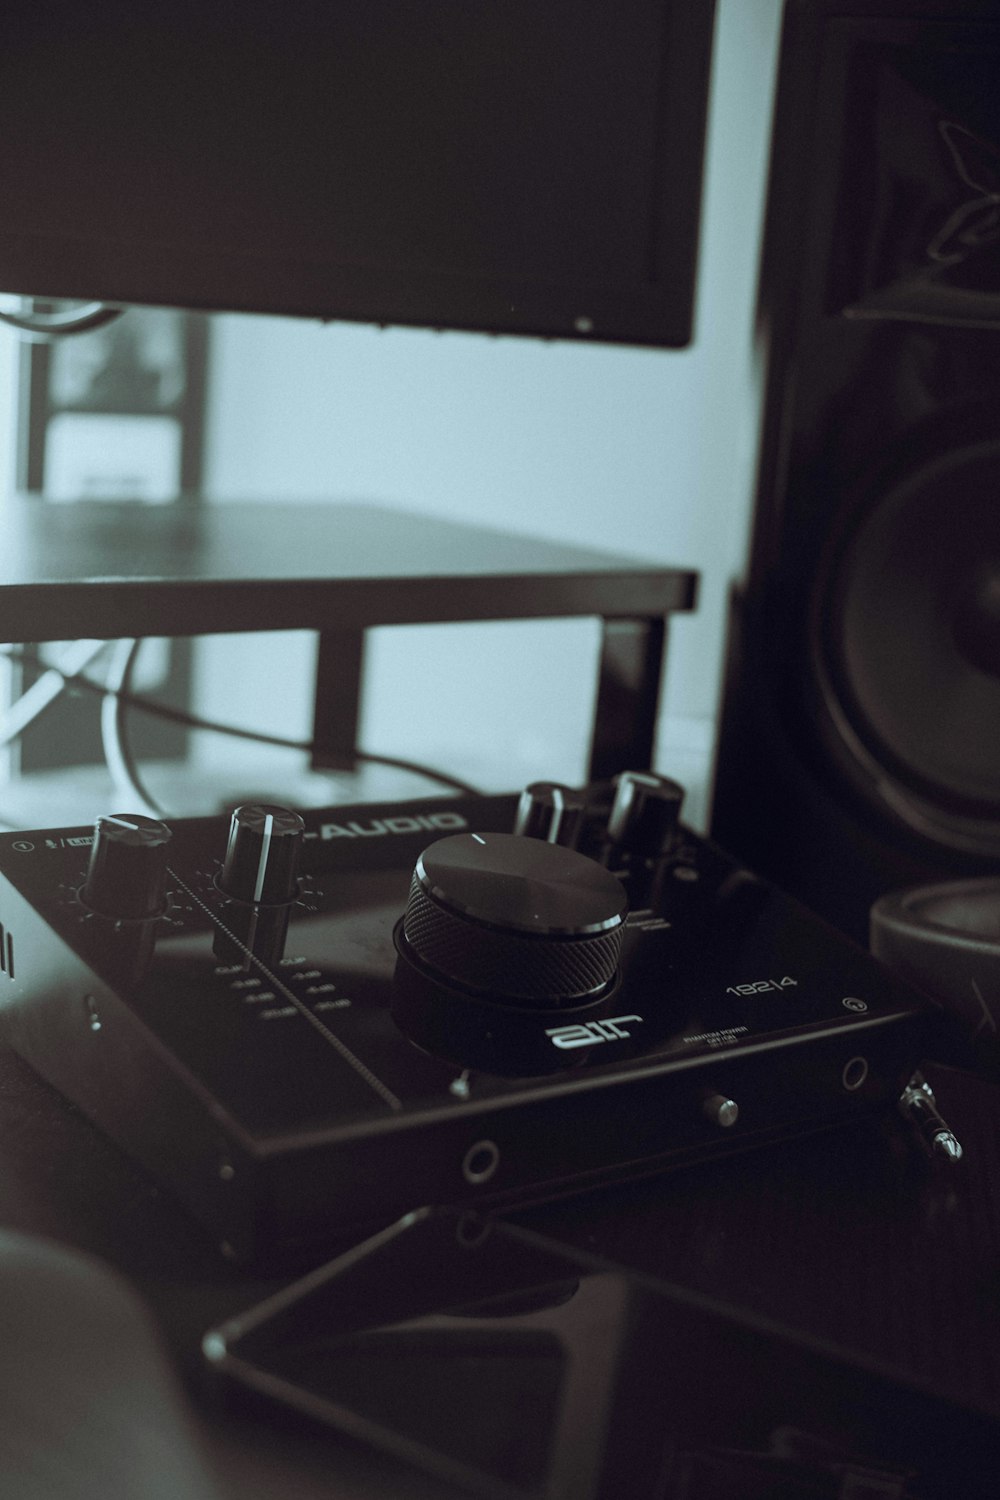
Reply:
x=111, y=570
x=848, y=1240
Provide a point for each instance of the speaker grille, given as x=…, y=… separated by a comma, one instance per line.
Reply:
x=909, y=624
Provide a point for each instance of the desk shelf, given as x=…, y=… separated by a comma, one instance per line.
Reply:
x=115, y=570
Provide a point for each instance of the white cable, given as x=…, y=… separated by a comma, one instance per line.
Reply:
x=120, y=762
x=25, y=709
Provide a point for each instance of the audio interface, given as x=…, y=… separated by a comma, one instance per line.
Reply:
x=306, y=1024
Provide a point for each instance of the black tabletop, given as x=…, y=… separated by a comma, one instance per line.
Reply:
x=125, y=569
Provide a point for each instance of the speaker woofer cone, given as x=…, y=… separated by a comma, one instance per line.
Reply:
x=907, y=635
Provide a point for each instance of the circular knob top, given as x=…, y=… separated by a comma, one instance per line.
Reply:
x=515, y=917
x=523, y=885
x=549, y=811
x=127, y=864
x=262, y=854
x=645, y=812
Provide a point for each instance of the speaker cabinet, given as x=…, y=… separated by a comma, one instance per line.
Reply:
x=860, y=736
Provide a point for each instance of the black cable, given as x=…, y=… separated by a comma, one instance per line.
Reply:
x=41, y=327
x=195, y=721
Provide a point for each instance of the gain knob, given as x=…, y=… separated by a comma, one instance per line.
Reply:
x=259, y=878
x=506, y=940
x=645, y=813
x=551, y=812
x=128, y=859
x=262, y=855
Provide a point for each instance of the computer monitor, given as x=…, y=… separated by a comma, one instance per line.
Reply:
x=508, y=166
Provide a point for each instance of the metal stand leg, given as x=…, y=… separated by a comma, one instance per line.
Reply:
x=339, y=665
x=628, y=696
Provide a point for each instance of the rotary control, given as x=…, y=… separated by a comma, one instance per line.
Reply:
x=645, y=813
x=259, y=880
x=262, y=855
x=529, y=921
x=505, y=939
x=128, y=858
x=551, y=812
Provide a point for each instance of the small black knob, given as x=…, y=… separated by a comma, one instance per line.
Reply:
x=128, y=861
x=645, y=813
x=550, y=812
x=262, y=854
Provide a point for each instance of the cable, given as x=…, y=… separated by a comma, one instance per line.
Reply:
x=41, y=327
x=417, y=768
x=195, y=721
x=114, y=729
x=53, y=682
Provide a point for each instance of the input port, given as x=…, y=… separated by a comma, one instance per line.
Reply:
x=854, y=1074
x=480, y=1162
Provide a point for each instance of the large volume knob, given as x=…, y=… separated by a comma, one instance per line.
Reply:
x=128, y=859
x=505, y=938
x=515, y=917
x=262, y=855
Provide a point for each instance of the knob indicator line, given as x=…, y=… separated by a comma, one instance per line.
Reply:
x=265, y=849
x=558, y=809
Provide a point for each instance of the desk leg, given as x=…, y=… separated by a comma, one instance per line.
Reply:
x=339, y=665
x=628, y=696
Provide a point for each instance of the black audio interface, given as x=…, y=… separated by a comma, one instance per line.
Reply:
x=304, y=1024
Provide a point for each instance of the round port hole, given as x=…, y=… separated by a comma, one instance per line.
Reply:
x=854, y=1074
x=480, y=1162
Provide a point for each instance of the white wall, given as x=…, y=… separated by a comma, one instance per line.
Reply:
x=638, y=451
x=8, y=467
x=9, y=347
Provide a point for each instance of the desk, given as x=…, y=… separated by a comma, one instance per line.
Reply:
x=114, y=570
x=65, y=1182
x=848, y=1240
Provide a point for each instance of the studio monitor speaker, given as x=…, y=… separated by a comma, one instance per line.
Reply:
x=860, y=736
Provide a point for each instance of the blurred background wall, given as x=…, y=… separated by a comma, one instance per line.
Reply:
x=642, y=452
x=637, y=451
